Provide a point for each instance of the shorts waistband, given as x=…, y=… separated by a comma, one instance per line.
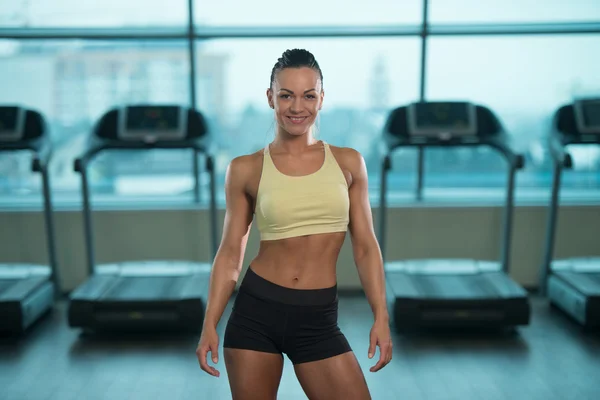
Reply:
x=260, y=287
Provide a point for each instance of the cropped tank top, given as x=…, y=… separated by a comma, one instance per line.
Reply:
x=289, y=206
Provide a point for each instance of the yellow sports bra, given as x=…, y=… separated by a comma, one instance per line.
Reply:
x=289, y=206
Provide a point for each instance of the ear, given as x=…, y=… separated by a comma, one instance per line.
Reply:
x=321, y=102
x=270, y=98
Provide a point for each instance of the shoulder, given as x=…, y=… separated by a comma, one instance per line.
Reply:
x=348, y=158
x=247, y=162
x=242, y=168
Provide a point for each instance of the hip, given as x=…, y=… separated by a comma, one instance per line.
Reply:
x=281, y=308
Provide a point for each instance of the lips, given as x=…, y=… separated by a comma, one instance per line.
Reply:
x=297, y=120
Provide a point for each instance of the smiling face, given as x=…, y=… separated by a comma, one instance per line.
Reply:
x=296, y=95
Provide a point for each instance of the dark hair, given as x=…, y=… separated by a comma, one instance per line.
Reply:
x=295, y=58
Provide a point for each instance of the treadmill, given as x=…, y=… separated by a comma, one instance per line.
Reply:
x=451, y=293
x=572, y=284
x=144, y=295
x=28, y=291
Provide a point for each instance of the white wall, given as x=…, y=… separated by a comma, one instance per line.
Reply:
x=417, y=232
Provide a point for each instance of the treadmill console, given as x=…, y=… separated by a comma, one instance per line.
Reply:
x=442, y=120
x=587, y=115
x=152, y=123
x=12, y=123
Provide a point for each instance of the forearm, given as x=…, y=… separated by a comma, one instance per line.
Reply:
x=223, y=278
x=370, y=270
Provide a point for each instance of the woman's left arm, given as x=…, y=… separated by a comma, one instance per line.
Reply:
x=368, y=259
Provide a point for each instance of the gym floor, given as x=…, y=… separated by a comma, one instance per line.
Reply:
x=552, y=359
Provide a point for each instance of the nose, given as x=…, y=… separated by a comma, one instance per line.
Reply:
x=296, y=106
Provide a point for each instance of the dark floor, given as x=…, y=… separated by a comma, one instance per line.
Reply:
x=553, y=359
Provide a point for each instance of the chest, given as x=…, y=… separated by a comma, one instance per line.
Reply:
x=292, y=168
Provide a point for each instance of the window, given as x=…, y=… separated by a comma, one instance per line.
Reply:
x=502, y=11
x=307, y=13
x=362, y=78
x=523, y=80
x=85, y=14
x=73, y=83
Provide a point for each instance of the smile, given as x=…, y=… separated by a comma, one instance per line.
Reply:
x=297, y=120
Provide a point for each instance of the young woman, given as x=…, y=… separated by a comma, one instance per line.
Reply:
x=305, y=196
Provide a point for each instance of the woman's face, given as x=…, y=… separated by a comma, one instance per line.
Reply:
x=296, y=96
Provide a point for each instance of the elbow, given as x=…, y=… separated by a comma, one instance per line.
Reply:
x=362, y=253
x=229, y=260
x=366, y=251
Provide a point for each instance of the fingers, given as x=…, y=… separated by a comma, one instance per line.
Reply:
x=214, y=350
x=385, y=356
x=372, y=344
x=202, y=353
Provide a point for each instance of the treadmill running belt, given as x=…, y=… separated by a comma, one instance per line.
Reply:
x=145, y=288
x=595, y=278
x=455, y=287
x=586, y=283
x=5, y=284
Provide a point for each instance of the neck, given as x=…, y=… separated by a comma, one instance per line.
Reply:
x=293, y=144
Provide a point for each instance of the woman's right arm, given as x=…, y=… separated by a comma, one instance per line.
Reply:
x=227, y=265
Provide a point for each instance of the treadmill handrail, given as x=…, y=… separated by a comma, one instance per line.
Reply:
x=514, y=159
x=41, y=159
x=94, y=147
x=40, y=147
x=558, y=152
x=557, y=142
x=42, y=154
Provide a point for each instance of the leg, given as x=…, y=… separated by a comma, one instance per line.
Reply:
x=253, y=360
x=253, y=374
x=338, y=377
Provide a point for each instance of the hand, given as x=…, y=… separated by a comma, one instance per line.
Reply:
x=380, y=336
x=209, y=342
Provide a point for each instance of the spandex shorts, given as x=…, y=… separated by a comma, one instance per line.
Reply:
x=274, y=319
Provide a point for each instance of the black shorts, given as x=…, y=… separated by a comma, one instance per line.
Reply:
x=274, y=319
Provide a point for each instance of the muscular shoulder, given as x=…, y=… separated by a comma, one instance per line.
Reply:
x=242, y=164
x=348, y=158
x=243, y=169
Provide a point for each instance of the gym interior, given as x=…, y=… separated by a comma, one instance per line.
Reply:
x=479, y=123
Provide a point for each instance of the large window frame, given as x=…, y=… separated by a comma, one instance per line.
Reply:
x=192, y=34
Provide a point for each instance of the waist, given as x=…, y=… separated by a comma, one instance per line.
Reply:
x=260, y=287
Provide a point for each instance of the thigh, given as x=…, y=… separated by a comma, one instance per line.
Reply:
x=338, y=377
x=253, y=374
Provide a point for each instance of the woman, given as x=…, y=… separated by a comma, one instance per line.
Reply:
x=305, y=195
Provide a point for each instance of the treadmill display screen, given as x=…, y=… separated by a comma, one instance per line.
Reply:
x=587, y=114
x=11, y=122
x=442, y=118
x=153, y=122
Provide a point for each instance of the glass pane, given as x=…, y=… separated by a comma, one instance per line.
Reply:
x=85, y=14
x=359, y=92
x=502, y=11
x=311, y=12
x=523, y=80
x=73, y=83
